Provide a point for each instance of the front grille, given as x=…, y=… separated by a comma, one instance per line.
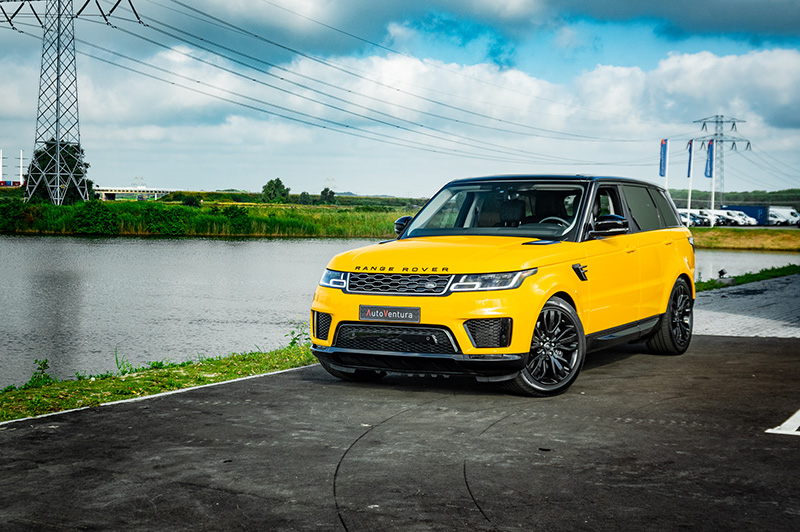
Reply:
x=322, y=325
x=490, y=332
x=398, y=283
x=395, y=338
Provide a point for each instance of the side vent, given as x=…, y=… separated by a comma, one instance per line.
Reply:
x=581, y=271
x=489, y=332
x=322, y=325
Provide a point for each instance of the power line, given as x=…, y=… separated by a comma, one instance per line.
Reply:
x=245, y=32
x=450, y=71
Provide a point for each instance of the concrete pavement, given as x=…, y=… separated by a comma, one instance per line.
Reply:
x=767, y=309
x=640, y=442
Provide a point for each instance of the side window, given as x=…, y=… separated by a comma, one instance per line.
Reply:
x=642, y=207
x=665, y=209
x=607, y=202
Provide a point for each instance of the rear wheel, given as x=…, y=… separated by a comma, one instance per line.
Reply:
x=674, y=333
x=558, y=349
x=359, y=375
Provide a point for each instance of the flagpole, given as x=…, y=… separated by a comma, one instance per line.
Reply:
x=690, y=175
x=663, y=163
x=713, y=167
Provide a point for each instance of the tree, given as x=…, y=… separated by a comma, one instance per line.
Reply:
x=304, y=199
x=43, y=165
x=326, y=196
x=275, y=192
x=191, y=201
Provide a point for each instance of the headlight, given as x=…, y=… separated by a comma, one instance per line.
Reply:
x=333, y=279
x=490, y=281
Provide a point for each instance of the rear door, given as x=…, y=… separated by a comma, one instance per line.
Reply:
x=656, y=240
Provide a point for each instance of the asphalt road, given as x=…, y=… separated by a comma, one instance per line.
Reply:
x=640, y=442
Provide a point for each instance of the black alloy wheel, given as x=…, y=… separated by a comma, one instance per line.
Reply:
x=674, y=333
x=558, y=349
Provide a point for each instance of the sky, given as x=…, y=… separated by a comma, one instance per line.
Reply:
x=398, y=98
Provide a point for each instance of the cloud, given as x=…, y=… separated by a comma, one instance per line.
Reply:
x=759, y=83
x=747, y=19
x=468, y=88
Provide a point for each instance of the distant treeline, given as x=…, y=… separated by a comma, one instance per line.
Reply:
x=294, y=199
x=140, y=218
x=702, y=198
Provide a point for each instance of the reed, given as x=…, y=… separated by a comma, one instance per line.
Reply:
x=148, y=219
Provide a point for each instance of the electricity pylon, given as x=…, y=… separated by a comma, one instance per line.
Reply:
x=720, y=138
x=57, y=161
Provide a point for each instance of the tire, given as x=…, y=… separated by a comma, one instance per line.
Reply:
x=674, y=332
x=558, y=349
x=359, y=375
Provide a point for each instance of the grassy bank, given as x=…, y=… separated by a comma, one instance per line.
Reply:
x=756, y=239
x=265, y=220
x=215, y=220
x=43, y=394
x=763, y=275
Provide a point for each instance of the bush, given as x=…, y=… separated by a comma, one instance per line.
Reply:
x=238, y=219
x=95, y=218
x=11, y=212
x=191, y=201
x=163, y=220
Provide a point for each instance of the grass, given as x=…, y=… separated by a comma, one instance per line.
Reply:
x=763, y=275
x=757, y=239
x=43, y=394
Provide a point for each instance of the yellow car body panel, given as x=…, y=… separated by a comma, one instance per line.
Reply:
x=610, y=298
x=456, y=255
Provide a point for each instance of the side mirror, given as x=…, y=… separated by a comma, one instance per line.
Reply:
x=609, y=225
x=401, y=223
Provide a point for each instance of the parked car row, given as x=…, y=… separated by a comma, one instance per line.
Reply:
x=740, y=216
x=703, y=217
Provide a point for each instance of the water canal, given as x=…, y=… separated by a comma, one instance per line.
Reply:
x=79, y=302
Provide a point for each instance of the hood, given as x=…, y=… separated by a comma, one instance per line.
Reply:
x=454, y=254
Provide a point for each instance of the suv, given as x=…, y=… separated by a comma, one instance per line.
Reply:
x=511, y=279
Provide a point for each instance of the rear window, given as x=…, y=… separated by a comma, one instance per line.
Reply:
x=650, y=208
x=665, y=209
x=643, y=208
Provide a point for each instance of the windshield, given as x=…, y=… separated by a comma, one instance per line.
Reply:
x=549, y=211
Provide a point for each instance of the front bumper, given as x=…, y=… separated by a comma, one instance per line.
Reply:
x=483, y=367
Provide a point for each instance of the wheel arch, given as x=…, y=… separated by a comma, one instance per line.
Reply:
x=690, y=282
x=566, y=297
x=561, y=282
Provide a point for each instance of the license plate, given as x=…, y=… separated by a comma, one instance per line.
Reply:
x=401, y=314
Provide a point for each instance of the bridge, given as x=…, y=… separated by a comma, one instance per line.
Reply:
x=110, y=193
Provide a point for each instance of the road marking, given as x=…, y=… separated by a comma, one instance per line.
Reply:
x=790, y=426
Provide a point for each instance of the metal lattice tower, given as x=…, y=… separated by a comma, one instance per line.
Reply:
x=57, y=161
x=720, y=138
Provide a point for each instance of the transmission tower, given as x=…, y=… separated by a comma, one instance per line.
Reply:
x=57, y=161
x=720, y=138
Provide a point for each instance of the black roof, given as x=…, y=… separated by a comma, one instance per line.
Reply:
x=551, y=177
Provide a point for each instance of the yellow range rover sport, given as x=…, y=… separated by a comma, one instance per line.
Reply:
x=511, y=279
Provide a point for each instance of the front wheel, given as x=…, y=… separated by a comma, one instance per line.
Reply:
x=674, y=333
x=558, y=349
